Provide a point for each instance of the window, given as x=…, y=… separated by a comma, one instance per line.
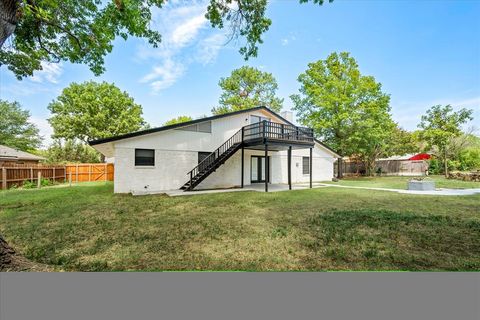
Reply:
x=306, y=165
x=199, y=127
x=144, y=157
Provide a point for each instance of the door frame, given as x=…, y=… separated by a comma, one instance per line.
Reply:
x=259, y=169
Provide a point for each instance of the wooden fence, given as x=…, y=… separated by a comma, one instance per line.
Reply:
x=387, y=167
x=16, y=174
x=82, y=172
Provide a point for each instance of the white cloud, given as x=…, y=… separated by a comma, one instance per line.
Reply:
x=286, y=41
x=50, y=72
x=186, y=39
x=164, y=75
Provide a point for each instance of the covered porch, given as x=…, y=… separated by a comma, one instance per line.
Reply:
x=273, y=137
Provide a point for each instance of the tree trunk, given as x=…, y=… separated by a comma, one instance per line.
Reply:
x=445, y=163
x=8, y=18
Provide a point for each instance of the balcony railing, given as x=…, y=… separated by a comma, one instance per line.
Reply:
x=277, y=131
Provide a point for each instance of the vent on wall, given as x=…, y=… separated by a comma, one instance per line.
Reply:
x=199, y=127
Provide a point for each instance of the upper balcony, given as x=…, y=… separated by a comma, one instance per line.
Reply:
x=277, y=134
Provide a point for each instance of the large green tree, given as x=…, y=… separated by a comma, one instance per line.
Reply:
x=440, y=128
x=84, y=31
x=347, y=110
x=245, y=88
x=68, y=151
x=178, y=119
x=16, y=130
x=92, y=110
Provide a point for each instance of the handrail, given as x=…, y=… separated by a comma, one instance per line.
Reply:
x=210, y=159
x=259, y=130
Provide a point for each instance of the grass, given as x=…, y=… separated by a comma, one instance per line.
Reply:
x=401, y=182
x=88, y=228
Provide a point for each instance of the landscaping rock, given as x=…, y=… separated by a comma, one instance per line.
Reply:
x=465, y=176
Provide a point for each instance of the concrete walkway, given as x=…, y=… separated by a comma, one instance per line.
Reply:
x=259, y=187
x=438, y=192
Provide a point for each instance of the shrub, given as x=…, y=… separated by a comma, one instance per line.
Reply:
x=27, y=184
x=45, y=182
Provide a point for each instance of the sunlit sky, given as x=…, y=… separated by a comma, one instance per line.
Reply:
x=423, y=52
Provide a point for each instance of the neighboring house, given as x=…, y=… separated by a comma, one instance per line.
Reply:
x=207, y=153
x=13, y=156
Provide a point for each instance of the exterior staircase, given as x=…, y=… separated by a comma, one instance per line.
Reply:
x=214, y=160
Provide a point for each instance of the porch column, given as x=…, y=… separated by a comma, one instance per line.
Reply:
x=289, y=167
x=311, y=167
x=243, y=153
x=267, y=173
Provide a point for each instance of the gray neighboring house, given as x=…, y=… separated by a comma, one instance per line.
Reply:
x=13, y=156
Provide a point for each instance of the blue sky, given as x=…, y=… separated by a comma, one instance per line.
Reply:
x=423, y=53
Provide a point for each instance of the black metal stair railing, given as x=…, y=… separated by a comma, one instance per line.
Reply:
x=264, y=130
x=213, y=159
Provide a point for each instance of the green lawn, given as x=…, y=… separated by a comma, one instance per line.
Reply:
x=87, y=228
x=401, y=182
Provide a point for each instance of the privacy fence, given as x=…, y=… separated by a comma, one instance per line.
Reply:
x=385, y=167
x=12, y=175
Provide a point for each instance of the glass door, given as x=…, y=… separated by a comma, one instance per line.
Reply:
x=258, y=169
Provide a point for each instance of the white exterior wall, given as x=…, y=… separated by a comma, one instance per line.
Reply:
x=176, y=153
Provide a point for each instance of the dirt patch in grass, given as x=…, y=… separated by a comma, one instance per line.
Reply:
x=11, y=261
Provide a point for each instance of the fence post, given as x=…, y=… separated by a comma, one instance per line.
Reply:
x=39, y=179
x=4, y=178
x=31, y=174
x=53, y=174
x=70, y=178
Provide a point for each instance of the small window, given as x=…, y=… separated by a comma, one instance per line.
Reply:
x=306, y=165
x=144, y=157
x=199, y=127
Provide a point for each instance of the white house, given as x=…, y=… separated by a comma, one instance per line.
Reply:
x=221, y=151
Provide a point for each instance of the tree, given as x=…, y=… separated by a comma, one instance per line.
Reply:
x=440, y=126
x=347, y=110
x=92, y=110
x=84, y=31
x=15, y=129
x=71, y=151
x=178, y=119
x=402, y=142
x=246, y=88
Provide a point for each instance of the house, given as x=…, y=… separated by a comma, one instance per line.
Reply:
x=10, y=156
x=224, y=151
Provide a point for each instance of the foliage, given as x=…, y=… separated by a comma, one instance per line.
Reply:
x=248, y=87
x=15, y=129
x=469, y=159
x=401, y=142
x=347, y=110
x=92, y=110
x=27, y=184
x=84, y=31
x=441, y=126
x=178, y=119
x=69, y=151
x=317, y=229
x=44, y=182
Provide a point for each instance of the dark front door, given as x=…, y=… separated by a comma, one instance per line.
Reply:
x=257, y=169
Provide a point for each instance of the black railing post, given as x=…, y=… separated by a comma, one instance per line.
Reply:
x=242, y=164
x=264, y=130
x=191, y=176
x=290, y=167
x=311, y=164
x=267, y=173
x=243, y=133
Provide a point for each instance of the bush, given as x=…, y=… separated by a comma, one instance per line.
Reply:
x=434, y=166
x=27, y=184
x=469, y=159
x=45, y=182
